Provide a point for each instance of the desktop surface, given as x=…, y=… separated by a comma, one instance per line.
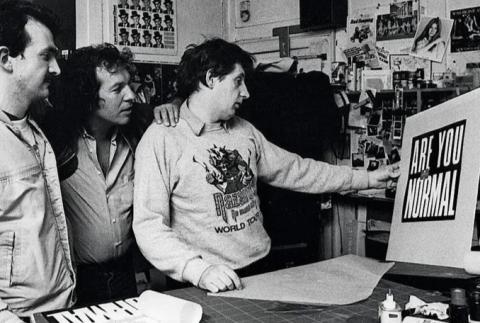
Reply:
x=226, y=309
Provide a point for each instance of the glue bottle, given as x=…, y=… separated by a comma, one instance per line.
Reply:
x=458, y=308
x=389, y=311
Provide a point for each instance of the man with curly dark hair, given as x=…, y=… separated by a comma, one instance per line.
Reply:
x=197, y=212
x=36, y=272
x=94, y=132
x=95, y=143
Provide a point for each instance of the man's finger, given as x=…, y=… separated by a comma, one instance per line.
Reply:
x=171, y=115
x=158, y=116
x=176, y=114
x=226, y=280
x=212, y=287
x=165, y=118
x=235, y=279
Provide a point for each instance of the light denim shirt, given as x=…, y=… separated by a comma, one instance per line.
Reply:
x=36, y=272
x=99, y=208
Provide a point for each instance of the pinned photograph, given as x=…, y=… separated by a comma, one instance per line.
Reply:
x=400, y=23
x=372, y=130
x=358, y=160
x=394, y=155
x=373, y=165
x=431, y=38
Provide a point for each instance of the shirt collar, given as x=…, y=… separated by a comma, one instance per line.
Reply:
x=196, y=125
x=5, y=119
x=117, y=135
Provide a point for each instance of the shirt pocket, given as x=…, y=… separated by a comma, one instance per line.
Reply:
x=122, y=195
x=7, y=241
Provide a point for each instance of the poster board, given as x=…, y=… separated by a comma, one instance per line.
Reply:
x=436, y=196
x=466, y=30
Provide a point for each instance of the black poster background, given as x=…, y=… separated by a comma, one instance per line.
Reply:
x=466, y=30
x=433, y=169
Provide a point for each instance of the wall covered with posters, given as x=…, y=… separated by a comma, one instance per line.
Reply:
x=256, y=34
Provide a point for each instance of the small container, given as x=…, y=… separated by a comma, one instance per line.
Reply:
x=474, y=303
x=458, y=309
x=389, y=311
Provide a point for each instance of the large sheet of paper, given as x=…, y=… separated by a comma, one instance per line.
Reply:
x=339, y=281
x=436, y=195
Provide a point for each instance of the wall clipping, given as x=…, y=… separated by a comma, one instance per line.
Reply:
x=148, y=27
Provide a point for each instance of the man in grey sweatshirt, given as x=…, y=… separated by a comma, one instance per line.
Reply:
x=197, y=214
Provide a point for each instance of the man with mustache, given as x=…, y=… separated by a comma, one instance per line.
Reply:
x=197, y=213
x=95, y=149
x=94, y=133
x=36, y=272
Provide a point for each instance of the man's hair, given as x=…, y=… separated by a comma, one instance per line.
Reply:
x=80, y=84
x=14, y=15
x=215, y=55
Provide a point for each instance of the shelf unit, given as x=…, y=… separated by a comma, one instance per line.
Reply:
x=423, y=98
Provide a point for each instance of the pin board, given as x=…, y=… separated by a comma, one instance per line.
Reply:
x=436, y=195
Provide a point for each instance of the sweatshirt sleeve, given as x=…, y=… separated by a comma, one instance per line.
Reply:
x=154, y=182
x=284, y=169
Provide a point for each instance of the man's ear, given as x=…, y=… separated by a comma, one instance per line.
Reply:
x=210, y=79
x=5, y=62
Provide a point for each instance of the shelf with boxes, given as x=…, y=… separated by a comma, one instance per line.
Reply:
x=418, y=99
x=394, y=106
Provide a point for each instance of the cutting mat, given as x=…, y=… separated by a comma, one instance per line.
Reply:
x=225, y=309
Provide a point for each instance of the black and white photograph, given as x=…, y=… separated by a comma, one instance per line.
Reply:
x=358, y=160
x=239, y=161
x=466, y=30
x=373, y=165
x=144, y=26
x=400, y=23
x=431, y=38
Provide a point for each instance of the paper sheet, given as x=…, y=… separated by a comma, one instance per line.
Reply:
x=149, y=307
x=339, y=281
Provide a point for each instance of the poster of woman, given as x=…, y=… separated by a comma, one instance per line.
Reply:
x=431, y=38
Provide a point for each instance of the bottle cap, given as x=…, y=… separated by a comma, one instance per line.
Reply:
x=475, y=295
x=389, y=303
x=458, y=296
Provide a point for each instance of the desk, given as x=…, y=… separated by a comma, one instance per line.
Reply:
x=225, y=309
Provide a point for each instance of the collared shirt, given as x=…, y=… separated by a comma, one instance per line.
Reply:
x=198, y=126
x=98, y=207
x=36, y=272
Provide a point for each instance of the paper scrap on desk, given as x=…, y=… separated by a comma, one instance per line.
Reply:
x=166, y=308
x=149, y=307
x=339, y=281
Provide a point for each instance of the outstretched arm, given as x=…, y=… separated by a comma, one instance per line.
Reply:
x=284, y=169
